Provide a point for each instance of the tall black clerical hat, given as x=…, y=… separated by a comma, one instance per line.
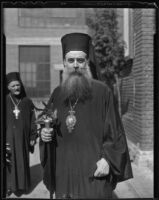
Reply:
x=75, y=42
x=15, y=76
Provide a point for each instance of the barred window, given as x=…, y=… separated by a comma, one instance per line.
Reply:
x=35, y=70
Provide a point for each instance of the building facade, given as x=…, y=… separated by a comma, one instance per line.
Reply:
x=33, y=48
x=33, y=45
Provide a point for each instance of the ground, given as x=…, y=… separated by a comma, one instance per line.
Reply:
x=141, y=186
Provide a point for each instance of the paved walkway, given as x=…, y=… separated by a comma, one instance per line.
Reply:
x=38, y=189
x=141, y=186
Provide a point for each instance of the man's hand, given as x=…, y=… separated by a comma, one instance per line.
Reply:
x=46, y=134
x=102, y=168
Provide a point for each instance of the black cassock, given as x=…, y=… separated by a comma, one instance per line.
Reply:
x=98, y=133
x=19, y=132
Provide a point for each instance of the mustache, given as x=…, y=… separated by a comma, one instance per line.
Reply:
x=79, y=71
x=17, y=90
x=76, y=73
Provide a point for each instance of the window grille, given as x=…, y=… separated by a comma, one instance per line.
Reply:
x=34, y=63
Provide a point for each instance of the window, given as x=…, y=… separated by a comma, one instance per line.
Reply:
x=50, y=17
x=35, y=70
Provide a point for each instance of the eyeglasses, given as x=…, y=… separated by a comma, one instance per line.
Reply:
x=79, y=60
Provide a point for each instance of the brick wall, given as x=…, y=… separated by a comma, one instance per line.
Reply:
x=138, y=121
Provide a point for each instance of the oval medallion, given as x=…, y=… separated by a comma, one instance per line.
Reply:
x=70, y=122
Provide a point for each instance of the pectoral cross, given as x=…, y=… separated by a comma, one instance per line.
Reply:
x=16, y=112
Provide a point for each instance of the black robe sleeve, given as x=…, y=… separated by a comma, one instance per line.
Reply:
x=114, y=148
x=33, y=133
x=48, y=158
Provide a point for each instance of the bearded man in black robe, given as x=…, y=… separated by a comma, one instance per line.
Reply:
x=20, y=135
x=90, y=154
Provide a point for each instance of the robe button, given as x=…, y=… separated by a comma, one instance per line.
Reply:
x=13, y=126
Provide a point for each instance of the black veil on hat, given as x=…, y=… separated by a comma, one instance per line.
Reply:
x=81, y=42
x=94, y=67
x=15, y=76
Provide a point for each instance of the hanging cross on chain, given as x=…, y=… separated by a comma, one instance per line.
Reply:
x=16, y=112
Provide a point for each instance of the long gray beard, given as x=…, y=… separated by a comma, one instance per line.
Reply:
x=76, y=85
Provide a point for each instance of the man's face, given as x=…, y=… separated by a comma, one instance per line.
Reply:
x=75, y=60
x=14, y=87
x=76, y=80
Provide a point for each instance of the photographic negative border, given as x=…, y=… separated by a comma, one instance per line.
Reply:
x=82, y=4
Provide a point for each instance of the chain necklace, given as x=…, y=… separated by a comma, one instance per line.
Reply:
x=16, y=110
x=71, y=118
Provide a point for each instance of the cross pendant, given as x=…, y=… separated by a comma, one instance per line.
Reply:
x=16, y=112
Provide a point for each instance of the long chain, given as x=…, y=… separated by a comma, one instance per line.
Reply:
x=73, y=107
x=16, y=105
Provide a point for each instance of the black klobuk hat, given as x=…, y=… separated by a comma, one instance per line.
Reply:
x=75, y=42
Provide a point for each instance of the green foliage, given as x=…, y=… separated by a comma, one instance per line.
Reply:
x=109, y=49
